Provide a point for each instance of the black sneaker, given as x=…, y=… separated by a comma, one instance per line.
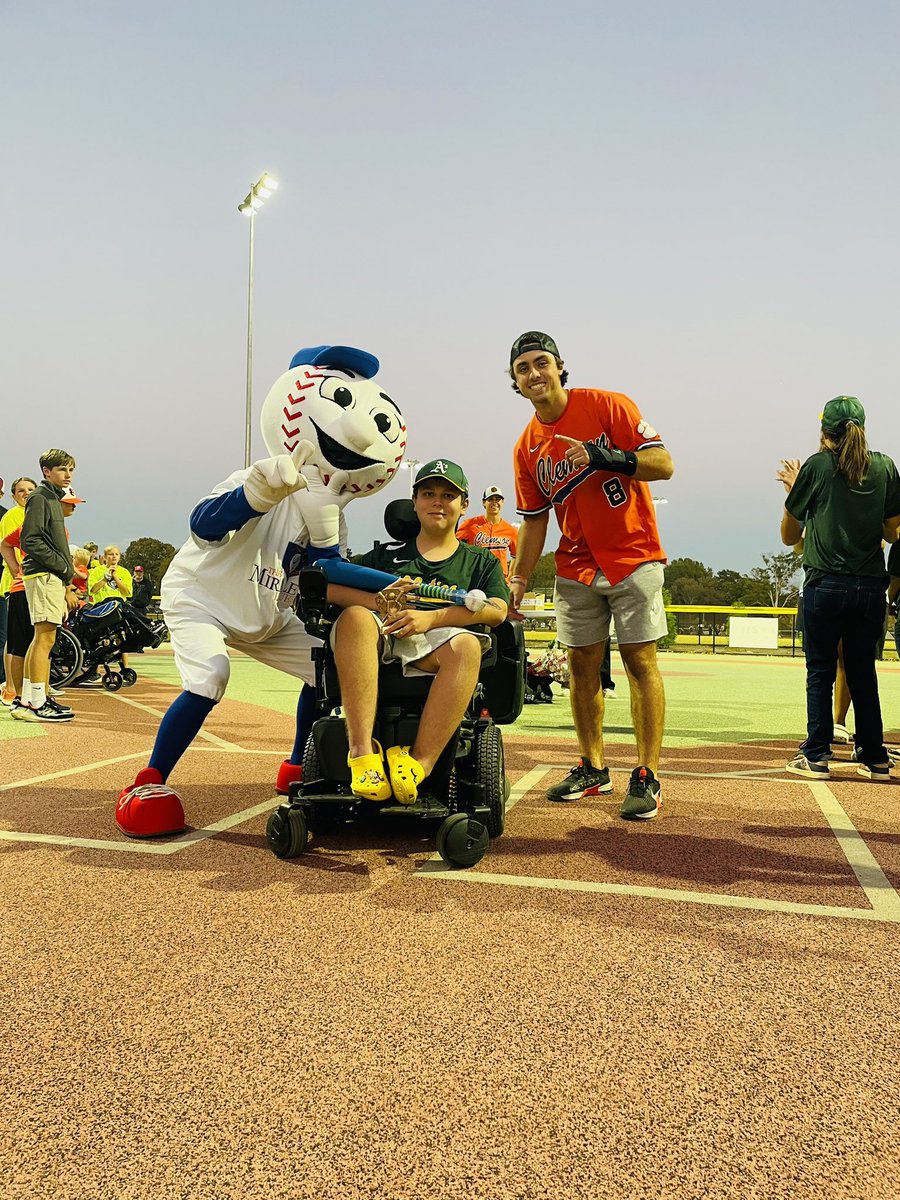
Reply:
x=583, y=780
x=49, y=711
x=643, y=798
x=63, y=708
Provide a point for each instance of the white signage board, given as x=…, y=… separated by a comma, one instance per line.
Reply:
x=753, y=633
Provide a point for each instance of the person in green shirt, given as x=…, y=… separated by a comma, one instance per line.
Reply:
x=438, y=642
x=844, y=501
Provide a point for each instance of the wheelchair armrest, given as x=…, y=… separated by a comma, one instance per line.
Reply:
x=489, y=658
x=311, y=605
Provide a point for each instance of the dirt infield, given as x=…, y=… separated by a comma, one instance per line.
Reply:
x=700, y=1006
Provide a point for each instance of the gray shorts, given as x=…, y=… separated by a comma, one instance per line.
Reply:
x=410, y=650
x=583, y=611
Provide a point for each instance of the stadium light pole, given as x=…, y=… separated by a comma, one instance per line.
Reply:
x=249, y=206
x=410, y=465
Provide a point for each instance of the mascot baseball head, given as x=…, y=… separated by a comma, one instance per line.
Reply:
x=355, y=430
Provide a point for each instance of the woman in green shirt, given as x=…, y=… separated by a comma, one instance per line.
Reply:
x=844, y=500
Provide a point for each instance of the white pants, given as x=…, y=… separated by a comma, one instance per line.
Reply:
x=199, y=642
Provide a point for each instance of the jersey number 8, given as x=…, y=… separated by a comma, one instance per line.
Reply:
x=615, y=493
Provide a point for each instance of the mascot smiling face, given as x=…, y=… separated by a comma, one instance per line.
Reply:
x=328, y=399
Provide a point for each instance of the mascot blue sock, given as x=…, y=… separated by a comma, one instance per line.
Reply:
x=291, y=770
x=306, y=715
x=177, y=730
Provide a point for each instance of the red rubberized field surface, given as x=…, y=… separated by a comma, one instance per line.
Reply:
x=699, y=1006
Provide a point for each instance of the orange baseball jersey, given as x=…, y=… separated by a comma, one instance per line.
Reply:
x=499, y=538
x=607, y=521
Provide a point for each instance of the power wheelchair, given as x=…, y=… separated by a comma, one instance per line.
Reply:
x=95, y=638
x=468, y=789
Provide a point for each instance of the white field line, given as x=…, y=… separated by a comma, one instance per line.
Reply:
x=103, y=762
x=154, y=712
x=431, y=871
x=142, y=846
x=872, y=880
x=884, y=900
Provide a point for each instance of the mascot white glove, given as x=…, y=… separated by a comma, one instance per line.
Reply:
x=271, y=480
x=321, y=505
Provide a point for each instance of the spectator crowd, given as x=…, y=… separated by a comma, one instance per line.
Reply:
x=45, y=581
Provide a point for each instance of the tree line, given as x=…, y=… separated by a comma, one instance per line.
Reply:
x=774, y=584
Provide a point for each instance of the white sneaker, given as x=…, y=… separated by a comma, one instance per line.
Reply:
x=876, y=772
x=21, y=712
x=52, y=691
x=841, y=736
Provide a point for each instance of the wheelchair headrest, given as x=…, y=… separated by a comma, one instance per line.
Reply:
x=400, y=520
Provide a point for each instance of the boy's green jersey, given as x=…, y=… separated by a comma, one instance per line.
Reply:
x=467, y=567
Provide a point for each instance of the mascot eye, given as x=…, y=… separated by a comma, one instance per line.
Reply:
x=338, y=392
x=387, y=423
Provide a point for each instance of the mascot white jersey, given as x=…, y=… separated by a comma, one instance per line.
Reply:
x=333, y=435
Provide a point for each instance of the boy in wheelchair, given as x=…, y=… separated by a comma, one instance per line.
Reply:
x=439, y=643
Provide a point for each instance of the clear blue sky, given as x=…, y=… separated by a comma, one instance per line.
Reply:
x=697, y=199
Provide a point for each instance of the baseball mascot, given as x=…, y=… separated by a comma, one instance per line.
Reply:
x=333, y=435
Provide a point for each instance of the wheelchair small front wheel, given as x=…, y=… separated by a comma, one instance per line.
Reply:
x=287, y=832
x=129, y=677
x=462, y=841
x=112, y=681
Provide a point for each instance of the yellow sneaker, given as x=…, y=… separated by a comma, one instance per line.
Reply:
x=368, y=778
x=406, y=774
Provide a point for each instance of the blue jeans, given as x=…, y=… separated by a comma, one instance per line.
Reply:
x=848, y=608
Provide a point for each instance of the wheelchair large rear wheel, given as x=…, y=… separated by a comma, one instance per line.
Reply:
x=490, y=773
x=312, y=768
x=462, y=841
x=66, y=658
x=287, y=832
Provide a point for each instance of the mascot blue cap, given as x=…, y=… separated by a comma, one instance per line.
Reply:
x=344, y=358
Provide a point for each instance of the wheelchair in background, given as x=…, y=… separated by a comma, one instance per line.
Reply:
x=468, y=788
x=95, y=638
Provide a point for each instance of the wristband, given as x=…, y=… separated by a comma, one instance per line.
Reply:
x=617, y=462
x=517, y=579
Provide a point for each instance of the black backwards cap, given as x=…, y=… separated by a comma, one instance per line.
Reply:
x=533, y=340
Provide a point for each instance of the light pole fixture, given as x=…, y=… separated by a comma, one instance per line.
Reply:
x=411, y=464
x=250, y=205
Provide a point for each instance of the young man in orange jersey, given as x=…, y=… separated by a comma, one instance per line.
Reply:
x=491, y=531
x=589, y=455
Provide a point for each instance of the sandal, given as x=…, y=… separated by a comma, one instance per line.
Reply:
x=368, y=779
x=406, y=774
